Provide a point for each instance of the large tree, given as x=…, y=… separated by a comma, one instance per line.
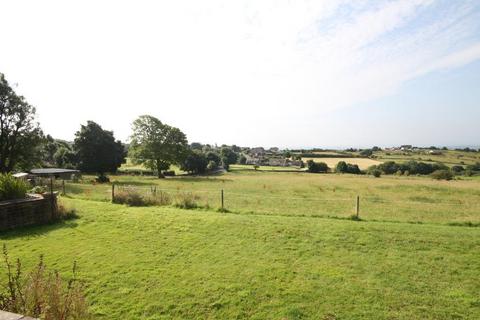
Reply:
x=96, y=150
x=157, y=145
x=20, y=134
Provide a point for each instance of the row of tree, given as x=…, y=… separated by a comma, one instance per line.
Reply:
x=94, y=150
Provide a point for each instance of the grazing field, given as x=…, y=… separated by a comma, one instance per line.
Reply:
x=450, y=157
x=286, y=249
x=363, y=163
x=164, y=263
x=389, y=198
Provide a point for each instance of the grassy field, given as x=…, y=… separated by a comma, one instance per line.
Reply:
x=389, y=198
x=164, y=263
x=363, y=163
x=450, y=157
x=286, y=250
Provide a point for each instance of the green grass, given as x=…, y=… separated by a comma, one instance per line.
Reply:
x=287, y=248
x=164, y=263
x=389, y=198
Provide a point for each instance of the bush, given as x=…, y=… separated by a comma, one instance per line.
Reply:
x=12, y=188
x=66, y=213
x=442, y=175
x=343, y=167
x=317, y=167
x=38, y=190
x=130, y=198
x=186, y=200
x=212, y=165
x=41, y=293
x=376, y=173
x=133, y=198
x=457, y=169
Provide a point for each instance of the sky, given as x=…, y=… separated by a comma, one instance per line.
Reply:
x=290, y=74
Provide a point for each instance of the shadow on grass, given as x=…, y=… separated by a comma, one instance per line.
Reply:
x=38, y=230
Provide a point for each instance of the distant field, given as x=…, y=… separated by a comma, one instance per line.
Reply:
x=362, y=163
x=449, y=157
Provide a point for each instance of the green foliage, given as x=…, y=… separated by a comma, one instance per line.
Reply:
x=215, y=157
x=12, y=188
x=20, y=135
x=186, y=200
x=442, y=175
x=97, y=151
x=228, y=156
x=376, y=173
x=366, y=153
x=412, y=167
x=41, y=293
x=196, y=162
x=317, y=167
x=343, y=167
x=242, y=159
x=157, y=145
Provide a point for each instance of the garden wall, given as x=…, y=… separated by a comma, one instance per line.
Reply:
x=35, y=210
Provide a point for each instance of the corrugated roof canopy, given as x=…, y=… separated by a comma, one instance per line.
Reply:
x=53, y=171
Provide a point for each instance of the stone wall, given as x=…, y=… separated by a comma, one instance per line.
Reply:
x=34, y=210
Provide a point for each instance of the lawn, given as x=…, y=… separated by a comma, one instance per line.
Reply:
x=164, y=263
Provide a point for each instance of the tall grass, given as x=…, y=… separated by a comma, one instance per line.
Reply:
x=41, y=293
x=12, y=188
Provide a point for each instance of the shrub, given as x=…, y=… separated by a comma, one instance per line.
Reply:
x=12, y=188
x=317, y=167
x=133, y=198
x=366, y=153
x=41, y=293
x=457, y=169
x=376, y=173
x=66, y=213
x=343, y=167
x=38, y=190
x=186, y=200
x=442, y=175
x=129, y=197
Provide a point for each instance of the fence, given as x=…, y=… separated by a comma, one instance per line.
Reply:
x=288, y=203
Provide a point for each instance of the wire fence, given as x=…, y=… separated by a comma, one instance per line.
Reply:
x=338, y=205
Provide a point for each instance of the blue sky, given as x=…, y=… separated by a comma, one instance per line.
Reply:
x=306, y=73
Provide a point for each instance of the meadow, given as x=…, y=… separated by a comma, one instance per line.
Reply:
x=287, y=248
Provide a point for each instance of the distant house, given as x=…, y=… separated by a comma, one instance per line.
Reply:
x=257, y=152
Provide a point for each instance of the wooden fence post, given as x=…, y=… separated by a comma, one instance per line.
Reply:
x=358, y=206
x=113, y=192
x=223, y=207
x=63, y=187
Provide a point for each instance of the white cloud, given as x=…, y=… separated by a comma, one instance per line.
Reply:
x=223, y=71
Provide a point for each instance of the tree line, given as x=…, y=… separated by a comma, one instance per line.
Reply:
x=154, y=144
